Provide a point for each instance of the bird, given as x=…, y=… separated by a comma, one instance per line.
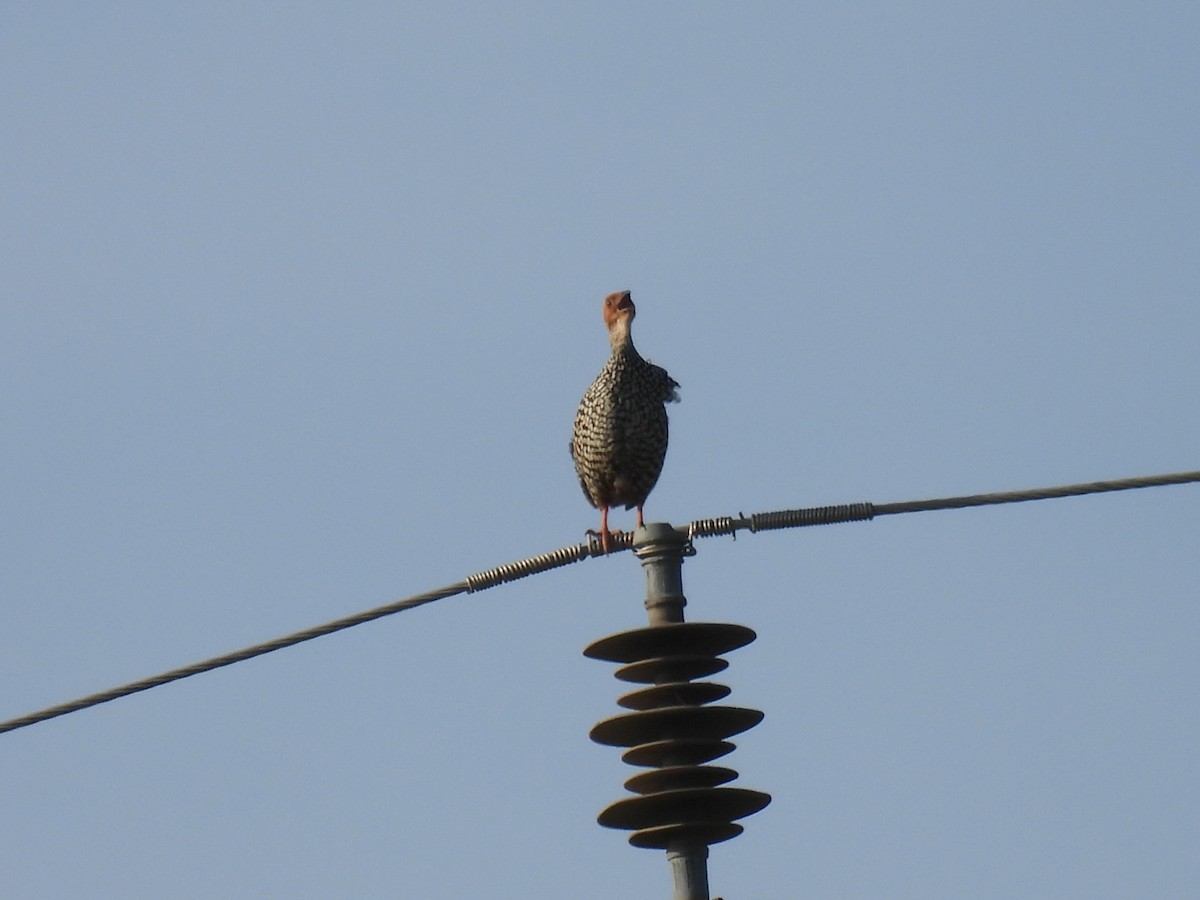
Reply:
x=619, y=439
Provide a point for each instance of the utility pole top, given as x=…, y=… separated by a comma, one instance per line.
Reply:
x=679, y=805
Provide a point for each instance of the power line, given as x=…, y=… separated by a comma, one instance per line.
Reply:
x=788, y=518
x=236, y=656
x=861, y=512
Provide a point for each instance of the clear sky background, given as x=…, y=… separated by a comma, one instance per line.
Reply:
x=298, y=302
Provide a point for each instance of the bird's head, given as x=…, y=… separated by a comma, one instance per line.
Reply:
x=618, y=313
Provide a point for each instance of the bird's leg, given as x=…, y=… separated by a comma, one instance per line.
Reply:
x=640, y=523
x=604, y=534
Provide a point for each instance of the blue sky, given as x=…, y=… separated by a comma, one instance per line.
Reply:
x=298, y=304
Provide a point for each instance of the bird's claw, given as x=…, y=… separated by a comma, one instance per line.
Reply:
x=606, y=538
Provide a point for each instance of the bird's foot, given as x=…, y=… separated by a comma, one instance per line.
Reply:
x=606, y=538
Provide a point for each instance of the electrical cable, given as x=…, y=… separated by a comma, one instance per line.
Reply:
x=860, y=512
x=236, y=656
x=621, y=541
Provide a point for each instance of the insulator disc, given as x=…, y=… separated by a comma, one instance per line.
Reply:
x=679, y=639
x=674, y=723
x=685, y=807
x=674, y=778
x=669, y=669
x=680, y=693
x=677, y=753
x=662, y=837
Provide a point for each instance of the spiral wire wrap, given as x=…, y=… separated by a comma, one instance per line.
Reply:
x=522, y=568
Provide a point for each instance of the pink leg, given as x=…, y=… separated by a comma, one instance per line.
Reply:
x=640, y=523
x=604, y=528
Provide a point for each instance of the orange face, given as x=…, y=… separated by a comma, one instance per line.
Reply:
x=617, y=305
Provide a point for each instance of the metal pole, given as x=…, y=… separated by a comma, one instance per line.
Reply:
x=661, y=549
x=689, y=871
